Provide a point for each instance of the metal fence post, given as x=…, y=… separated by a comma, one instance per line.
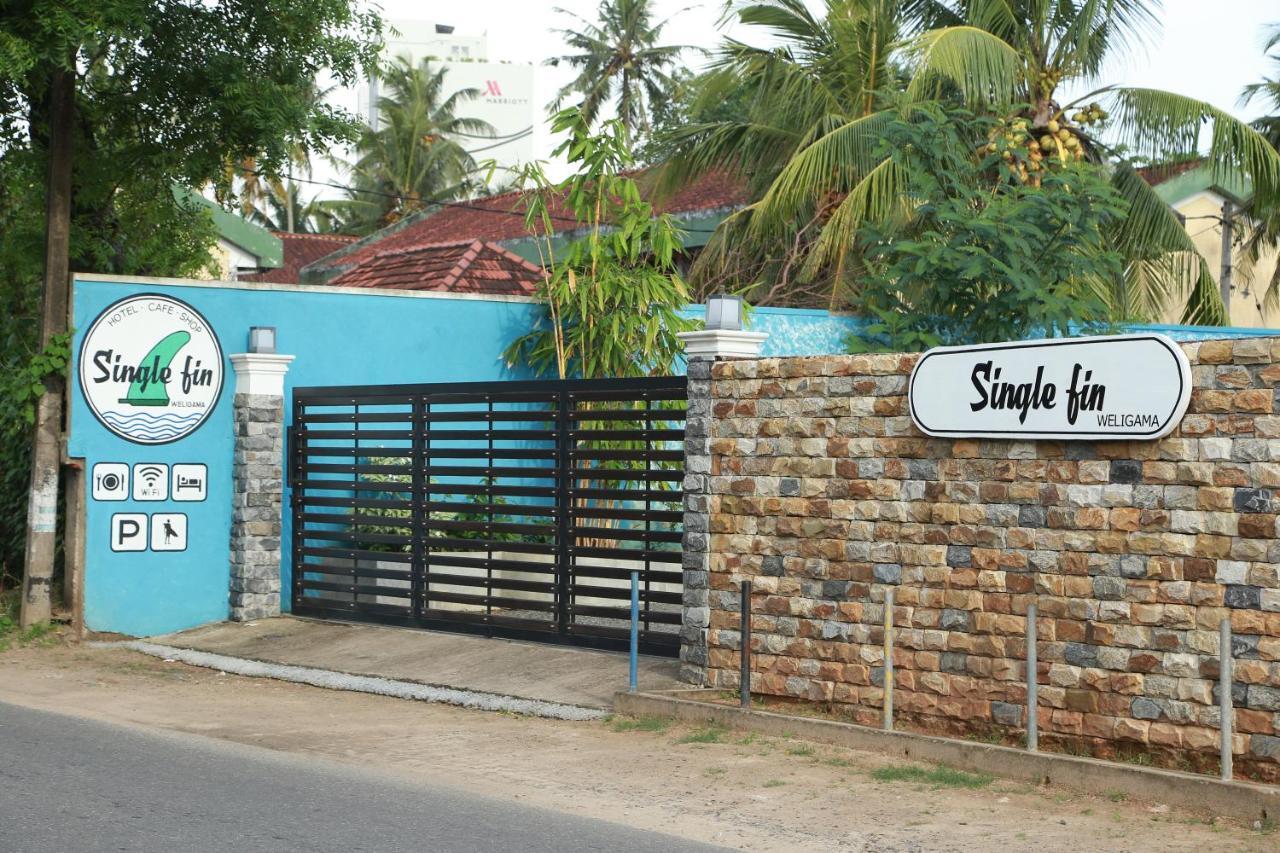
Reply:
x=888, y=659
x=566, y=493
x=1224, y=696
x=1033, y=720
x=635, y=632
x=744, y=641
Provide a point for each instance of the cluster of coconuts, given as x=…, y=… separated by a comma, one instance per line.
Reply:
x=1024, y=147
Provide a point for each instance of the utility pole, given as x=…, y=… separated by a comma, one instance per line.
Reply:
x=46, y=450
x=1224, y=277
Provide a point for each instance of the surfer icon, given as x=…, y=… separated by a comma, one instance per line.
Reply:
x=169, y=532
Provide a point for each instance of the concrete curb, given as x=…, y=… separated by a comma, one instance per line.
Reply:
x=332, y=680
x=1240, y=800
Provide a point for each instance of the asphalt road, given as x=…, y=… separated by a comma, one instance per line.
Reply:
x=71, y=785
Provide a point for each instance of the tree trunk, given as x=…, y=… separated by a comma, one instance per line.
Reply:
x=46, y=455
x=288, y=203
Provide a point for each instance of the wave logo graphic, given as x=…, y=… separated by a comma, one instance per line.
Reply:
x=152, y=426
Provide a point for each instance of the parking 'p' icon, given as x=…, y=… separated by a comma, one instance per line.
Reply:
x=129, y=531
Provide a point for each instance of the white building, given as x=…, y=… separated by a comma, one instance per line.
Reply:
x=506, y=88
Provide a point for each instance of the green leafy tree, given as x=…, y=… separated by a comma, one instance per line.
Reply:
x=1015, y=59
x=613, y=295
x=104, y=106
x=416, y=155
x=260, y=191
x=982, y=255
x=620, y=62
x=612, y=299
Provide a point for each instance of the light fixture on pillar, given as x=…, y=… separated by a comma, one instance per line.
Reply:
x=262, y=339
x=723, y=336
x=724, y=313
x=261, y=370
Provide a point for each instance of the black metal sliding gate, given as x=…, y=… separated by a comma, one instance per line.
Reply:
x=515, y=509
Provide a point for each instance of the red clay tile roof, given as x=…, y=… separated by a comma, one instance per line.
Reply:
x=1159, y=173
x=300, y=250
x=501, y=217
x=468, y=266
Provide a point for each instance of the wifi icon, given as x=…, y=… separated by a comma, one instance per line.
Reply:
x=150, y=482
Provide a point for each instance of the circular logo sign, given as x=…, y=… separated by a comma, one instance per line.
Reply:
x=151, y=369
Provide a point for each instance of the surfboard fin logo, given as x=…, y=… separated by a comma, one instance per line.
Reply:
x=147, y=389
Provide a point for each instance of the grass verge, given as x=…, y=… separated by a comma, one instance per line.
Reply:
x=941, y=776
x=640, y=724
x=711, y=733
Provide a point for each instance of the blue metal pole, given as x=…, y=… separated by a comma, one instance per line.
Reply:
x=635, y=631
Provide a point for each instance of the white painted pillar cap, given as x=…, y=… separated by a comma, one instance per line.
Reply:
x=722, y=343
x=260, y=373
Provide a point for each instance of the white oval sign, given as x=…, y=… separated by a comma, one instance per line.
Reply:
x=1114, y=387
x=151, y=369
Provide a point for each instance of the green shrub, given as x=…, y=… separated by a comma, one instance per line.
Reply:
x=983, y=254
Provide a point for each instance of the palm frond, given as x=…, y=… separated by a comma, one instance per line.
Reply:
x=1161, y=261
x=783, y=19
x=982, y=66
x=1158, y=124
x=834, y=163
x=878, y=196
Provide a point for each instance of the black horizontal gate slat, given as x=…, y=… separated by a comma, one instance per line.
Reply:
x=514, y=509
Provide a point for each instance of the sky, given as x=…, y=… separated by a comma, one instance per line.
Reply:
x=1208, y=49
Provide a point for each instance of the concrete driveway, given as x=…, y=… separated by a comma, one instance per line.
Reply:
x=546, y=672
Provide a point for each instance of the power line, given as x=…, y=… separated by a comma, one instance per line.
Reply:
x=526, y=130
x=498, y=144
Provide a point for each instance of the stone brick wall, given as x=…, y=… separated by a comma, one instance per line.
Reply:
x=695, y=544
x=822, y=492
x=257, y=501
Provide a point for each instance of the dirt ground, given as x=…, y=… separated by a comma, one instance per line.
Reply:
x=716, y=786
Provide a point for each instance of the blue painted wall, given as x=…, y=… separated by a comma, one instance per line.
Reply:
x=814, y=332
x=338, y=339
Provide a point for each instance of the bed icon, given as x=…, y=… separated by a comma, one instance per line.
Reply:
x=190, y=482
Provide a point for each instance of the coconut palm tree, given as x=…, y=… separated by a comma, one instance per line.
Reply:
x=820, y=74
x=1013, y=59
x=416, y=155
x=281, y=208
x=619, y=61
x=1268, y=90
x=1263, y=231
